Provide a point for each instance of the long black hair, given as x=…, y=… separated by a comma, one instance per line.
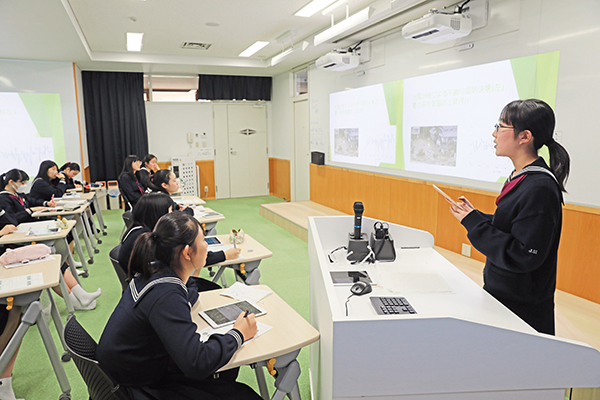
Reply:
x=16, y=175
x=149, y=209
x=43, y=171
x=128, y=168
x=171, y=234
x=160, y=177
x=537, y=117
x=73, y=166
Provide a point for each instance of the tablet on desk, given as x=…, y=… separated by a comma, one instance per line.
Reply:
x=227, y=314
x=212, y=240
x=349, y=277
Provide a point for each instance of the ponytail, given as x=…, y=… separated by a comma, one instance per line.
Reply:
x=16, y=175
x=160, y=249
x=560, y=162
x=160, y=177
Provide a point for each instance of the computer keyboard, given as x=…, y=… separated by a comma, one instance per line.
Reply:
x=392, y=305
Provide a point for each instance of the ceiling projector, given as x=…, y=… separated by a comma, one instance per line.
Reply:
x=334, y=61
x=436, y=27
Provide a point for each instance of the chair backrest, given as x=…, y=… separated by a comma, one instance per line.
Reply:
x=128, y=219
x=114, y=258
x=82, y=349
x=128, y=206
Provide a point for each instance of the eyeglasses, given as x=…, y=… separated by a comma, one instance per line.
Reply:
x=498, y=126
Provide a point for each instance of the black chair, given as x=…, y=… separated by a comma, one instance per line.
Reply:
x=114, y=258
x=128, y=220
x=82, y=349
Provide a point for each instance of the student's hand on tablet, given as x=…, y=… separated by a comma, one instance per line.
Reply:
x=7, y=229
x=232, y=253
x=246, y=325
x=461, y=210
x=466, y=202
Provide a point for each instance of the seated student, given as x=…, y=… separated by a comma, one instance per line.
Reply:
x=70, y=170
x=13, y=200
x=48, y=183
x=15, y=210
x=165, y=181
x=128, y=183
x=150, y=346
x=145, y=215
x=149, y=166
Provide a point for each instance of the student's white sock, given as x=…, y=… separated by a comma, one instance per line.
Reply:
x=77, y=264
x=78, y=306
x=84, y=297
x=6, y=390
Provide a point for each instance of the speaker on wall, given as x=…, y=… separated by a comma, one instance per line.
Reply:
x=316, y=157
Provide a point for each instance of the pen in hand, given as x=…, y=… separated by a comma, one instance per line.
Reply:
x=246, y=314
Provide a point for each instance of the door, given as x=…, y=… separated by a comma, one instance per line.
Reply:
x=301, y=168
x=248, y=158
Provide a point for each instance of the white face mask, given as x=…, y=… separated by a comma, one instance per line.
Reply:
x=18, y=188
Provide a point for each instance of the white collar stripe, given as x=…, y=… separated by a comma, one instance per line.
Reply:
x=168, y=279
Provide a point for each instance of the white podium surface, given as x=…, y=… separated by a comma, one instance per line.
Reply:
x=461, y=344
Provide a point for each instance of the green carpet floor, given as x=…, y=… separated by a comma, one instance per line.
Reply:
x=286, y=273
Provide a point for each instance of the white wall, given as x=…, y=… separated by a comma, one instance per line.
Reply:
x=168, y=126
x=281, y=117
x=48, y=77
x=516, y=28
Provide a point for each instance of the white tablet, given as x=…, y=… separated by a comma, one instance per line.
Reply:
x=227, y=314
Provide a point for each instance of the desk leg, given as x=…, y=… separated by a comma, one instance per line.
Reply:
x=260, y=379
x=99, y=215
x=88, y=232
x=219, y=274
x=74, y=271
x=211, y=229
x=286, y=383
x=85, y=239
x=32, y=315
x=93, y=226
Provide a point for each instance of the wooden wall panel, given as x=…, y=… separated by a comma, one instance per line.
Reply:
x=279, y=178
x=416, y=204
x=207, y=176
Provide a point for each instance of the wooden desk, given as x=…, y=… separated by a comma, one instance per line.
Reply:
x=209, y=223
x=290, y=333
x=81, y=220
x=95, y=191
x=246, y=267
x=28, y=298
x=22, y=237
x=185, y=200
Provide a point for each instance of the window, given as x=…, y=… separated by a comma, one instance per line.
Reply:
x=170, y=88
x=301, y=82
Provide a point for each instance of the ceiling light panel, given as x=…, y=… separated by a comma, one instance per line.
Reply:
x=253, y=49
x=134, y=41
x=313, y=7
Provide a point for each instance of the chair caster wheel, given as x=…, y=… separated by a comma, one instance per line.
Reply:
x=104, y=233
x=90, y=261
x=66, y=357
x=99, y=241
x=65, y=396
x=96, y=251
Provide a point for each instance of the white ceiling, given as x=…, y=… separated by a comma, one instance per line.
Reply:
x=93, y=33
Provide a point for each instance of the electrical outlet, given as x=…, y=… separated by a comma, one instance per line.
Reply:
x=466, y=250
x=205, y=189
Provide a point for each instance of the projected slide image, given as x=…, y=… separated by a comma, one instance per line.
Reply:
x=346, y=142
x=434, y=145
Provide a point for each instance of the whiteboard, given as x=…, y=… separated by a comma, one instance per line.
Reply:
x=515, y=29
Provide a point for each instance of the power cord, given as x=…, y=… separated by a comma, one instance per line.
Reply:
x=346, y=303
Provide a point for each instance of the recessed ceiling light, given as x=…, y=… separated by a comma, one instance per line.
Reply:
x=313, y=7
x=134, y=41
x=253, y=49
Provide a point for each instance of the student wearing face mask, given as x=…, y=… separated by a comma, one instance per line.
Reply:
x=13, y=201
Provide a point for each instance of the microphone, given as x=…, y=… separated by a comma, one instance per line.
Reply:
x=358, y=212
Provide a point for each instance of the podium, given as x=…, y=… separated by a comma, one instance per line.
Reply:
x=462, y=343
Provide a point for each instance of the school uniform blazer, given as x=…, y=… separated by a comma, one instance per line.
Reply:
x=143, y=176
x=69, y=182
x=42, y=191
x=131, y=188
x=16, y=212
x=187, y=210
x=520, y=241
x=150, y=336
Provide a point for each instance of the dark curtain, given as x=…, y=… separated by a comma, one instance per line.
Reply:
x=227, y=87
x=115, y=120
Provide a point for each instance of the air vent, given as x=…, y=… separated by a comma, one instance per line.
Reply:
x=455, y=24
x=195, y=45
